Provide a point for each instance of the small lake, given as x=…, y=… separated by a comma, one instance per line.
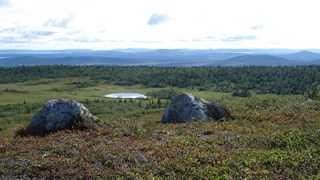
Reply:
x=126, y=95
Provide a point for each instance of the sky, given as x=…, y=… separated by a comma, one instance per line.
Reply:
x=159, y=24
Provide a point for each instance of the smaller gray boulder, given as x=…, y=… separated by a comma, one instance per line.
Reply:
x=62, y=114
x=186, y=107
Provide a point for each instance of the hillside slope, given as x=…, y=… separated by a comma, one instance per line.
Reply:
x=255, y=60
x=304, y=56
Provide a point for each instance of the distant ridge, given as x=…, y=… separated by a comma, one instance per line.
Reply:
x=255, y=60
x=316, y=62
x=160, y=57
x=302, y=56
x=79, y=60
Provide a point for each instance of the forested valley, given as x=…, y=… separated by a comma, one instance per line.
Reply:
x=262, y=80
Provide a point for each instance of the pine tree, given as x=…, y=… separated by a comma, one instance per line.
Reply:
x=159, y=103
x=313, y=92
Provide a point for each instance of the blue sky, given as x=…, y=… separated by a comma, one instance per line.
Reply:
x=194, y=24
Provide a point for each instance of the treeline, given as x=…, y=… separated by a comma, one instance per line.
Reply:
x=278, y=80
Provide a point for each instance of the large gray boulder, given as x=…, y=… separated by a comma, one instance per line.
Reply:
x=186, y=107
x=62, y=114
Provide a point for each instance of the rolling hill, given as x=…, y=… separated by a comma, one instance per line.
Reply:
x=255, y=60
x=304, y=56
x=158, y=57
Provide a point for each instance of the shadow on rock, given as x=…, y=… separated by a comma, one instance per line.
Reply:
x=58, y=115
x=186, y=107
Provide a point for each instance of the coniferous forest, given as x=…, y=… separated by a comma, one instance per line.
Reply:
x=262, y=80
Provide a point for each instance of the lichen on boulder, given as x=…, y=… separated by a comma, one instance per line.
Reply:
x=186, y=107
x=62, y=114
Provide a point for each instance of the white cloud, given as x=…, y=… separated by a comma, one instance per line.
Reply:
x=239, y=38
x=62, y=23
x=184, y=24
x=257, y=27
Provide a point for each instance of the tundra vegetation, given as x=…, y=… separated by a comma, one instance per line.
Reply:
x=275, y=132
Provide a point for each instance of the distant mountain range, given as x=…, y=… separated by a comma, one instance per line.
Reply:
x=161, y=57
x=255, y=60
x=304, y=56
